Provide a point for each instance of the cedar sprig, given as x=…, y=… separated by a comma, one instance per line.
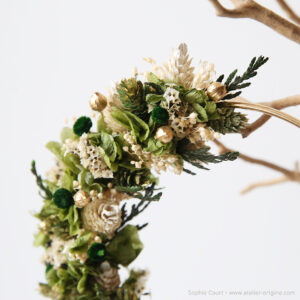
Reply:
x=197, y=157
x=236, y=82
x=149, y=194
x=189, y=171
x=136, y=209
x=47, y=193
x=134, y=191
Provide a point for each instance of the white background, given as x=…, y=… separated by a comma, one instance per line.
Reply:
x=202, y=235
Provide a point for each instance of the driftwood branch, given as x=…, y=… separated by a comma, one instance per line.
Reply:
x=265, y=183
x=289, y=11
x=277, y=104
x=288, y=175
x=253, y=10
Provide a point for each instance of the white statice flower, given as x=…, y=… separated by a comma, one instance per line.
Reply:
x=103, y=213
x=172, y=102
x=166, y=162
x=149, y=160
x=89, y=155
x=182, y=125
x=202, y=134
x=57, y=253
x=172, y=97
x=205, y=75
x=56, y=172
x=177, y=69
x=140, y=285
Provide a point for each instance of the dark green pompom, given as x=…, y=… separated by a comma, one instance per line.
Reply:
x=82, y=125
x=63, y=198
x=160, y=115
x=96, y=252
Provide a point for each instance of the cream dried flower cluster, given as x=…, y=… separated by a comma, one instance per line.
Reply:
x=103, y=176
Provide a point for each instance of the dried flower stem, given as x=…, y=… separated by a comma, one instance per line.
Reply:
x=277, y=104
x=262, y=108
x=253, y=10
x=289, y=11
x=289, y=175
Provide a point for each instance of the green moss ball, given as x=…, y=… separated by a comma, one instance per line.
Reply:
x=63, y=198
x=82, y=125
x=160, y=115
x=96, y=252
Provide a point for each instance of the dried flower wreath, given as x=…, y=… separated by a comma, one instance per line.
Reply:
x=159, y=124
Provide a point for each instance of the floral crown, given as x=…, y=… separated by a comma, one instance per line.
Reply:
x=103, y=176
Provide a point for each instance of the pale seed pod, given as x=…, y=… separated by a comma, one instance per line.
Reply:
x=164, y=134
x=216, y=91
x=98, y=102
x=81, y=199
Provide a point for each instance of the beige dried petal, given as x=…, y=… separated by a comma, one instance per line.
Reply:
x=101, y=217
x=205, y=75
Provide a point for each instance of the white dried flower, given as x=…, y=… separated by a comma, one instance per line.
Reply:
x=177, y=69
x=140, y=285
x=57, y=253
x=182, y=126
x=205, y=75
x=90, y=157
x=149, y=160
x=56, y=172
x=202, y=134
x=172, y=97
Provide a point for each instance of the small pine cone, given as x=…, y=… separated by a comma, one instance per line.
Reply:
x=131, y=95
x=109, y=278
x=229, y=121
x=130, y=178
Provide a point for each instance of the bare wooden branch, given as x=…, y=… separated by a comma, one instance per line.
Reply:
x=277, y=104
x=289, y=175
x=289, y=11
x=265, y=183
x=253, y=10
